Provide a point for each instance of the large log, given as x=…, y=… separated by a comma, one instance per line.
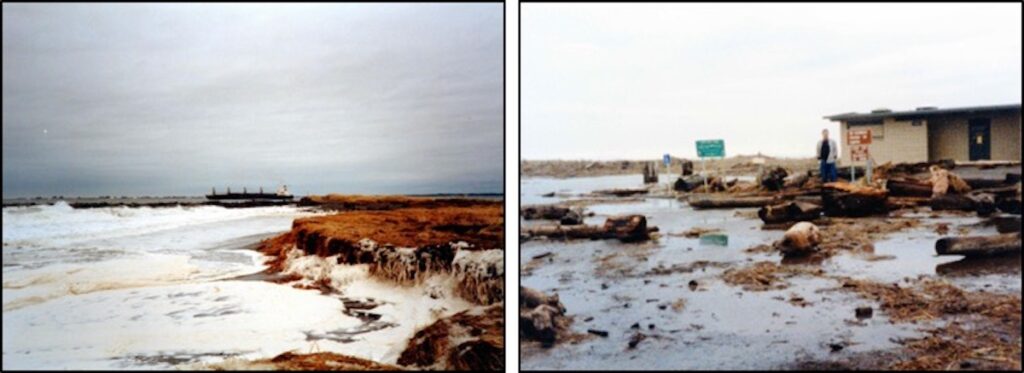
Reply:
x=650, y=174
x=565, y=215
x=624, y=228
x=1008, y=243
x=984, y=204
x=1009, y=205
x=623, y=192
x=981, y=183
x=844, y=199
x=687, y=167
x=720, y=202
x=797, y=180
x=773, y=178
x=906, y=187
x=688, y=183
x=628, y=228
x=790, y=211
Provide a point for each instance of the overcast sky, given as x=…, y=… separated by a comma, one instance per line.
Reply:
x=635, y=81
x=162, y=99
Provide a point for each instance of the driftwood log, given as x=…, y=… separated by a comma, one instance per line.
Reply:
x=983, y=183
x=624, y=192
x=1009, y=205
x=650, y=174
x=773, y=178
x=797, y=180
x=845, y=199
x=724, y=202
x=790, y=211
x=541, y=317
x=624, y=228
x=688, y=183
x=564, y=215
x=1007, y=243
x=687, y=167
x=983, y=204
x=907, y=187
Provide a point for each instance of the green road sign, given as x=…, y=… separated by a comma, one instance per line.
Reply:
x=711, y=148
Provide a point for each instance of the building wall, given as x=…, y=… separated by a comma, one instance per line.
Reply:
x=892, y=141
x=1006, y=137
x=947, y=137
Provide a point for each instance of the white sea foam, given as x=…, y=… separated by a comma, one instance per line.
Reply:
x=150, y=288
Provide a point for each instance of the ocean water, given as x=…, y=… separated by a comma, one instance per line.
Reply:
x=145, y=288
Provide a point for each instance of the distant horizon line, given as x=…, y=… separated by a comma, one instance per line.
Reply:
x=446, y=194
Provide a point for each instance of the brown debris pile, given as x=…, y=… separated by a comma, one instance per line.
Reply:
x=542, y=317
x=992, y=341
x=935, y=298
x=469, y=340
x=954, y=347
x=765, y=275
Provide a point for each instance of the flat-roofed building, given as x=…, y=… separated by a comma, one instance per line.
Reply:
x=930, y=134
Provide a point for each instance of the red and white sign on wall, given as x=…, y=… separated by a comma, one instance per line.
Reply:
x=858, y=137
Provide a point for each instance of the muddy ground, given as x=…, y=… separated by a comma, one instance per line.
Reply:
x=709, y=293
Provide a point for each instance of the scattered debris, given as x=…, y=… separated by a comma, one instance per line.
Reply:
x=635, y=339
x=600, y=333
x=864, y=312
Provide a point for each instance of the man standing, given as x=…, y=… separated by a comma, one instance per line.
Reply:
x=827, y=156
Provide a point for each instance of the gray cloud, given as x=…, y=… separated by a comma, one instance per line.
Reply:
x=174, y=98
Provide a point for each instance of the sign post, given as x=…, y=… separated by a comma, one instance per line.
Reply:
x=709, y=149
x=859, y=141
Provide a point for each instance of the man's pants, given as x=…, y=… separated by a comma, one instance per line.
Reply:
x=828, y=172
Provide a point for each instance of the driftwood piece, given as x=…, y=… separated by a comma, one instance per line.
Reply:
x=541, y=317
x=1009, y=205
x=790, y=211
x=564, y=215
x=650, y=174
x=622, y=192
x=844, y=199
x=983, y=183
x=797, y=180
x=1008, y=243
x=984, y=204
x=720, y=202
x=687, y=167
x=688, y=183
x=773, y=178
x=906, y=187
x=624, y=228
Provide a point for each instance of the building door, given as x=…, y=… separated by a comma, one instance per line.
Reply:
x=980, y=141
